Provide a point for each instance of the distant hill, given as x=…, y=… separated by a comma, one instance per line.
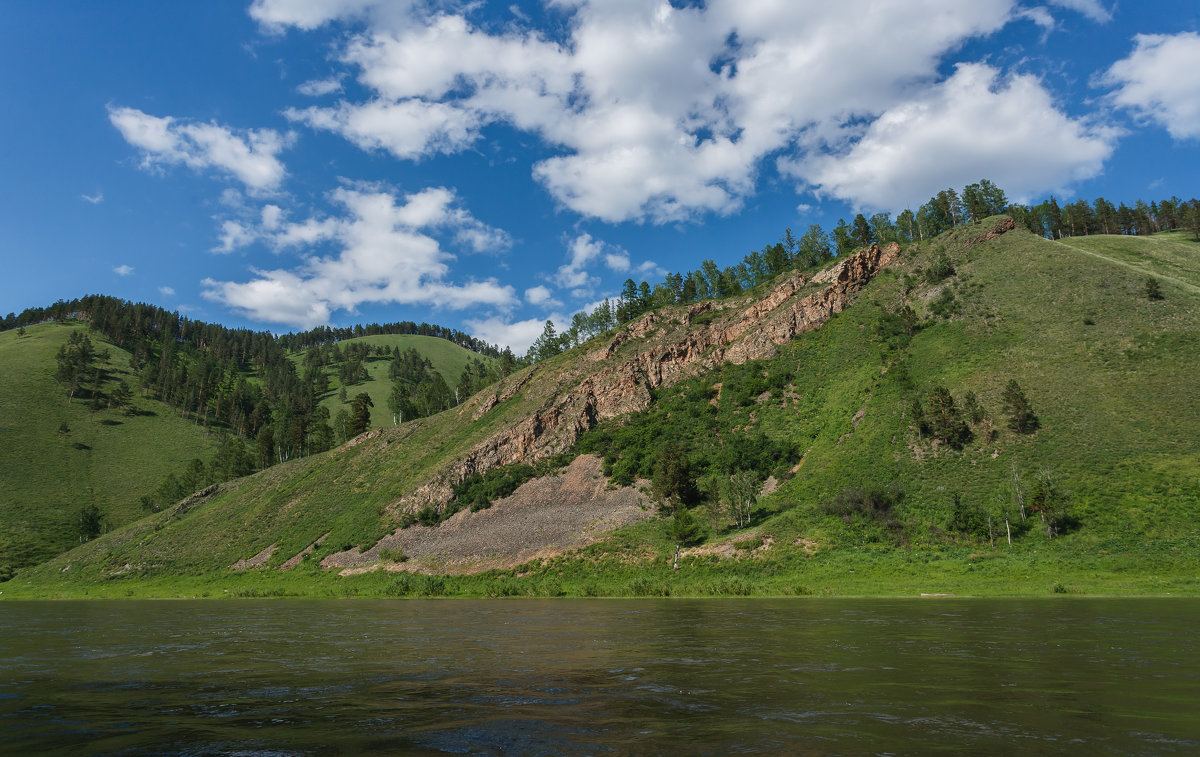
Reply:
x=894, y=413
x=57, y=458
x=448, y=359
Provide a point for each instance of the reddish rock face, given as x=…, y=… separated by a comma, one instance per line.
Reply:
x=604, y=385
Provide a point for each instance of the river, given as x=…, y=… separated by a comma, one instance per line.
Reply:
x=801, y=676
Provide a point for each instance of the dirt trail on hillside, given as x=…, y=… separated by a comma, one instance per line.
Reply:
x=1134, y=267
x=542, y=518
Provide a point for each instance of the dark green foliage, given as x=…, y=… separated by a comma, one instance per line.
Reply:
x=872, y=505
x=940, y=269
x=1052, y=504
x=674, y=484
x=1021, y=417
x=685, y=527
x=916, y=413
x=945, y=421
x=972, y=408
x=896, y=329
x=360, y=413
x=968, y=519
x=91, y=522
x=428, y=516
x=945, y=305
x=863, y=235
x=478, y=491
x=1153, y=290
x=418, y=390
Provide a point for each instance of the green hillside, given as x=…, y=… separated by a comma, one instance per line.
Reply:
x=57, y=457
x=448, y=359
x=874, y=504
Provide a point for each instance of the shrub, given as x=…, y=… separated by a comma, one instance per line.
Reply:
x=1153, y=291
x=941, y=268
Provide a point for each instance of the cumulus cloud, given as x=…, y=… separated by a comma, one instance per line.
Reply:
x=651, y=111
x=123, y=270
x=583, y=251
x=515, y=334
x=166, y=291
x=250, y=155
x=382, y=251
x=973, y=125
x=540, y=295
x=234, y=236
x=95, y=199
x=1160, y=82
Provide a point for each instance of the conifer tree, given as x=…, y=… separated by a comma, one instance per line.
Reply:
x=360, y=413
x=1021, y=417
x=945, y=420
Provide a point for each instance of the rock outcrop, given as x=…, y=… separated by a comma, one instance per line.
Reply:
x=667, y=347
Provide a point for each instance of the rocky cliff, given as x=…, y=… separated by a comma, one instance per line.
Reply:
x=657, y=350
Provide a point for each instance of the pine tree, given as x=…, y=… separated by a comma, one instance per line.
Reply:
x=945, y=421
x=1021, y=417
x=360, y=413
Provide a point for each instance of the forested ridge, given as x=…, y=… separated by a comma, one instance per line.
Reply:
x=944, y=211
x=241, y=383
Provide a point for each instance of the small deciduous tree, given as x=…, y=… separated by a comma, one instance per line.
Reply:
x=1050, y=501
x=740, y=494
x=91, y=522
x=685, y=529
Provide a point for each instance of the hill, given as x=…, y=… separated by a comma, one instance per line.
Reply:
x=813, y=380
x=58, y=457
x=448, y=358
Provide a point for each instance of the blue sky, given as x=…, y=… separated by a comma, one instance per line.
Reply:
x=281, y=164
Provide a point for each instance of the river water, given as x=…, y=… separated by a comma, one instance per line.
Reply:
x=803, y=676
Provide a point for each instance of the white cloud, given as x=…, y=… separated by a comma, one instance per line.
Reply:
x=408, y=129
x=321, y=87
x=971, y=126
x=95, y=199
x=1160, y=81
x=653, y=112
x=166, y=291
x=617, y=261
x=276, y=15
x=583, y=251
x=384, y=253
x=271, y=216
x=248, y=155
x=1093, y=9
x=515, y=334
x=540, y=295
x=234, y=236
x=123, y=270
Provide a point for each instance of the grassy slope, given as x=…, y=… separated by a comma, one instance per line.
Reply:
x=448, y=359
x=109, y=458
x=1115, y=399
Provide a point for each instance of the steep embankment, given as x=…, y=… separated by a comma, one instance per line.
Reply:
x=876, y=504
x=59, y=456
x=357, y=493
